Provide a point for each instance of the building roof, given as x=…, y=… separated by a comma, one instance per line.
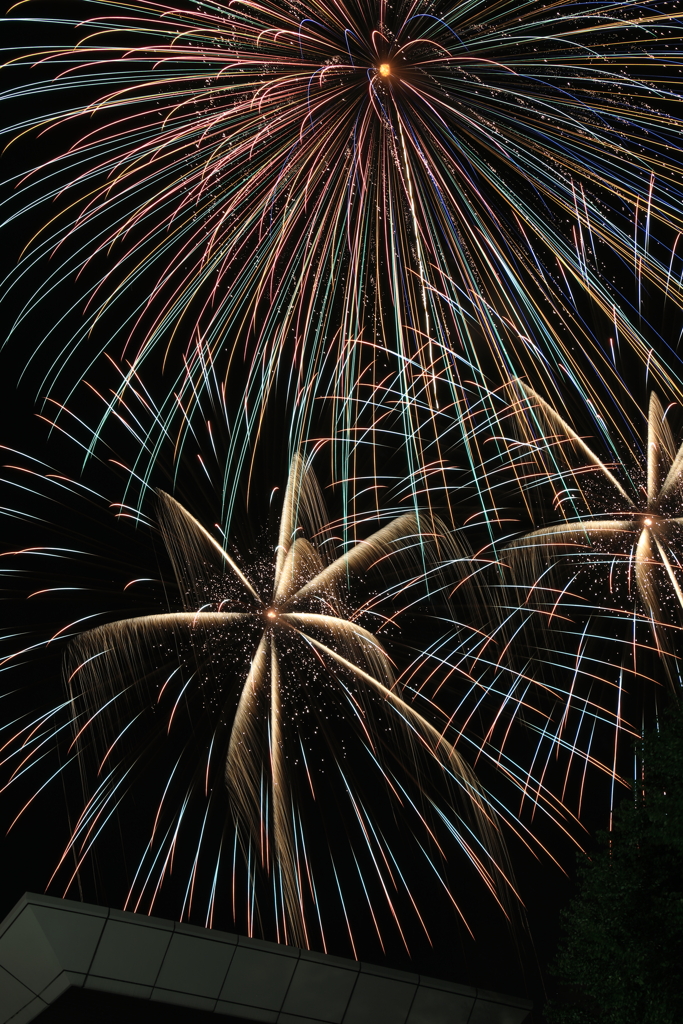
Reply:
x=49, y=945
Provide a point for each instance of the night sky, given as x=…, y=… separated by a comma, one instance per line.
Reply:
x=60, y=498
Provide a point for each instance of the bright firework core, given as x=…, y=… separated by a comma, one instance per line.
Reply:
x=271, y=614
x=385, y=70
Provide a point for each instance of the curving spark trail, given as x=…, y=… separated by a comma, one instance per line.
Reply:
x=371, y=196
x=649, y=521
x=300, y=612
x=579, y=622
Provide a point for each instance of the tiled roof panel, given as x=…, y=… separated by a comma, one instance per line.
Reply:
x=48, y=945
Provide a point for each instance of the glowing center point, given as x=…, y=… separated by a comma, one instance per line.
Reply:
x=648, y=522
x=271, y=614
x=385, y=70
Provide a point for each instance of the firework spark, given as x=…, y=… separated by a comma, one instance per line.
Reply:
x=580, y=625
x=577, y=636
x=648, y=524
x=296, y=620
x=358, y=192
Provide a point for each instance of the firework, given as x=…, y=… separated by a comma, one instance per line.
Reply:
x=647, y=524
x=307, y=656
x=581, y=619
x=308, y=201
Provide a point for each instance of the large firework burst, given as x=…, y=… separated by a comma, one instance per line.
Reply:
x=644, y=535
x=358, y=192
x=585, y=640
x=309, y=661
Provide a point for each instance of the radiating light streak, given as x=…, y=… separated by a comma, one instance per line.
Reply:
x=300, y=197
x=304, y=604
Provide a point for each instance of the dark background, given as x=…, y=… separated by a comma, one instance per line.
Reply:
x=511, y=959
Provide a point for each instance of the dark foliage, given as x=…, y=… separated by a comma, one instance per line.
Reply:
x=620, y=959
